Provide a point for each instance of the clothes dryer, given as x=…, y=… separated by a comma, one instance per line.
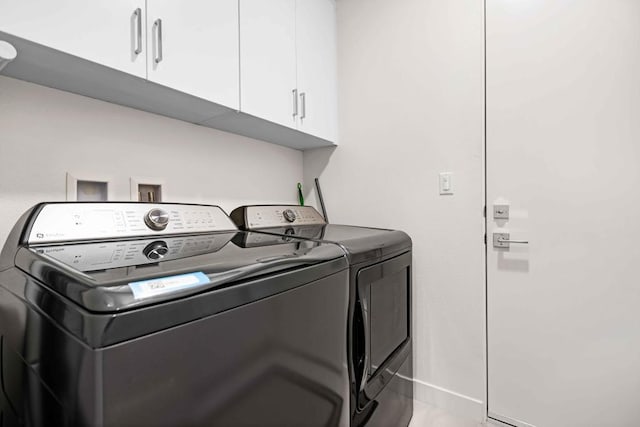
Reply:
x=379, y=328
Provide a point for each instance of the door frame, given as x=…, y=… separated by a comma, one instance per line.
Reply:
x=488, y=416
x=485, y=329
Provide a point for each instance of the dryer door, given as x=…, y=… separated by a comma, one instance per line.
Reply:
x=383, y=310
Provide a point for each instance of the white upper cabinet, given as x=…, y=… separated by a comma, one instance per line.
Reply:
x=110, y=33
x=261, y=68
x=268, y=60
x=317, y=68
x=193, y=48
x=288, y=64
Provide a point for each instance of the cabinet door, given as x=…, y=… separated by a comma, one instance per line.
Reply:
x=107, y=32
x=268, y=61
x=193, y=48
x=316, y=64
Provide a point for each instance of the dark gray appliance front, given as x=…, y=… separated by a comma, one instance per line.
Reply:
x=268, y=348
x=380, y=330
x=278, y=361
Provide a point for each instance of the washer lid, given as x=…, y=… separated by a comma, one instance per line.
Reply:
x=117, y=275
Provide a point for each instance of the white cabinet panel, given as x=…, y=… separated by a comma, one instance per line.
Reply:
x=268, y=60
x=198, y=48
x=316, y=67
x=214, y=57
x=105, y=32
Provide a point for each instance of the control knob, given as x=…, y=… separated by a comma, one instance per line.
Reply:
x=156, y=250
x=288, y=234
x=289, y=215
x=157, y=219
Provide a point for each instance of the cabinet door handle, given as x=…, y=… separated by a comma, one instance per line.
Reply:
x=138, y=15
x=303, y=108
x=158, y=26
x=295, y=102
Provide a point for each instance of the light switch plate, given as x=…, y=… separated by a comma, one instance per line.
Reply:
x=446, y=184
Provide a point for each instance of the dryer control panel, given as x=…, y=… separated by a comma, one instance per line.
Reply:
x=68, y=222
x=267, y=216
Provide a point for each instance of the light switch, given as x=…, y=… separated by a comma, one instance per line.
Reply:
x=446, y=186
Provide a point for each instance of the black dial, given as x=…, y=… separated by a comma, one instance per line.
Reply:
x=157, y=219
x=288, y=233
x=156, y=250
x=289, y=215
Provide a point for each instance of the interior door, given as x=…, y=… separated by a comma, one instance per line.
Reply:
x=563, y=152
x=194, y=48
x=316, y=52
x=110, y=33
x=268, y=58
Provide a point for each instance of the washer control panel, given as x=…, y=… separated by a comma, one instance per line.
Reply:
x=157, y=219
x=67, y=222
x=260, y=216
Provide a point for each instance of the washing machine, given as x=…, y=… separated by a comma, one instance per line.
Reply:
x=379, y=318
x=123, y=314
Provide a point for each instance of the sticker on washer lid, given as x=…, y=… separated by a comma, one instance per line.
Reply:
x=164, y=285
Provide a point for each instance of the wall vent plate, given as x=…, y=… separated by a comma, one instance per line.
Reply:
x=88, y=188
x=92, y=191
x=147, y=190
x=150, y=193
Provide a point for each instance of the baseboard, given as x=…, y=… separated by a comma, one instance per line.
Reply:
x=506, y=421
x=455, y=403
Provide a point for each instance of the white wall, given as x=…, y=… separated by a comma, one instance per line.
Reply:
x=45, y=133
x=411, y=105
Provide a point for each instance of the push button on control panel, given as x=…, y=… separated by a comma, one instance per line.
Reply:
x=157, y=219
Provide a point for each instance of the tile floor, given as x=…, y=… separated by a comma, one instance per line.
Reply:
x=425, y=415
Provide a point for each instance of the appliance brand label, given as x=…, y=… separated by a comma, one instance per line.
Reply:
x=164, y=285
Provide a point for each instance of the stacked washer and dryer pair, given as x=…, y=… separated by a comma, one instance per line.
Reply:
x=167, y=314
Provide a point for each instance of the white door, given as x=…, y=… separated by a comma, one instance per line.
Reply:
x=316, y=59
x=268, y=60
x=110, y=33
x=563, y=150
x=194, y=48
